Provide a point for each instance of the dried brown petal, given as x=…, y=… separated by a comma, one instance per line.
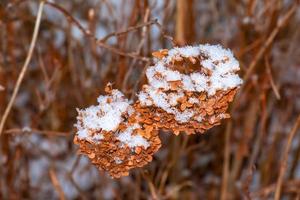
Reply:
x=117, y=158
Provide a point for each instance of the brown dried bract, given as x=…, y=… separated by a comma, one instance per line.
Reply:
x=208, y=113
x=117, y=158
x=160, y=54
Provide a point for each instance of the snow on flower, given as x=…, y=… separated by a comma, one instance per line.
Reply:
x=216, y=72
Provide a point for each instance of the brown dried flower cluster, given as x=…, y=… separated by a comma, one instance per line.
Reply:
x=116, y=158
x=130, y=145
x=188, y=90
x=210, y=111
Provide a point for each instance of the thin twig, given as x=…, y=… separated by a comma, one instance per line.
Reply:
x=81, y=193
x=285, y=159
x=288, y=186
x=165, y=35
x=176, y=189
x=129, y=29
x=151, y=186
x=281, y=22
x=248, y=48
x=89, y=34
x=225, y=174
x=141, y=43
x=56, y=184
x=24, y=68
x=29, y=130
x=275, y=89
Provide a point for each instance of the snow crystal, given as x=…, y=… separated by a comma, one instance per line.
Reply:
x=223, y=82
x=200, y=81
x=174, y=97
x=97, y=137
x=165, y=102
x=219, y=61
x=187, y=83
x=198, y=118
x=107, y=115
x=155, y=80
x=144, y=99
x=118, y=160
x=131, y=140
x=193, y=100
x=222, y=116
x=172, y=76
x=188, y=51
x=183, y=116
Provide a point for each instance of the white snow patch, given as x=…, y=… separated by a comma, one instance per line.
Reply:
x=144, y=99
x=118, y=160
x=198, y=118
x=188, y=51
x=107, y=115
x=174, y=97
x=193, y=100
x=183, y=116
x=131, y=140
x=219, y=61
x=166, y=102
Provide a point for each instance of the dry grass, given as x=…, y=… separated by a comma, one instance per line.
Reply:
x=82, y=45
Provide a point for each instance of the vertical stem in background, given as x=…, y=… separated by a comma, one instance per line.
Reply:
x=180, y=18
x=225, y=174
x=24, y=68
x=283, y=165
x=56, y=184
x=184, y=22
x=151, y=186
x=269, y=41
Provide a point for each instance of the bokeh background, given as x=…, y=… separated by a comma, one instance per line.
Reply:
x=83, y=44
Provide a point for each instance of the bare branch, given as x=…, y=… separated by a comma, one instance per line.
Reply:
x=24, y=68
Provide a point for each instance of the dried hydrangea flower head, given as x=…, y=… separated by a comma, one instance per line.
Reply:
x=113, y=135
x=189, y=88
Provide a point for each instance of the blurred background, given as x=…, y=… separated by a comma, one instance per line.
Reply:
x=83, y=44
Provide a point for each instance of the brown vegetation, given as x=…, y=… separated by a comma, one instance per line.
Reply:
x=62, y=58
